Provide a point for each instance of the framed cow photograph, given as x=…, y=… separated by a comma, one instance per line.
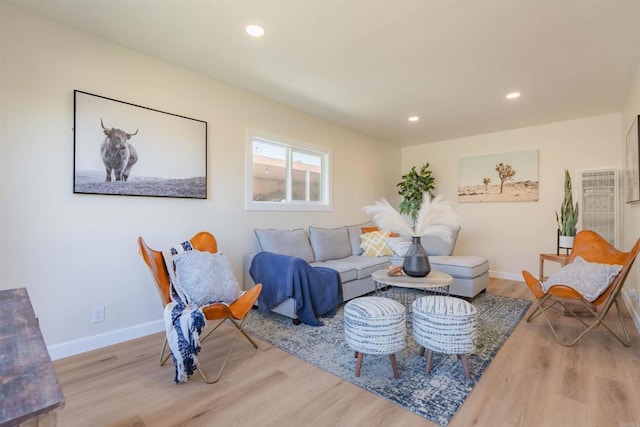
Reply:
x=126, y=149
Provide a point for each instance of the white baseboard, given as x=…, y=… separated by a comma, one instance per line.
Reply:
x=505, y=275
x=71, y=348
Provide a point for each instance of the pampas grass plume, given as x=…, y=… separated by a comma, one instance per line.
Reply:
x=435, y=218
x=387, y=218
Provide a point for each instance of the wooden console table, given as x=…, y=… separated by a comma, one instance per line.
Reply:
x=30, y=393
x=561, y=259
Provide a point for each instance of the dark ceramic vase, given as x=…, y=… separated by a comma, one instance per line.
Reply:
x=416, y=260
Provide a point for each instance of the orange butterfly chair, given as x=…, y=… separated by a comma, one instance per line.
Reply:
x=593, y=248
x=235, y=312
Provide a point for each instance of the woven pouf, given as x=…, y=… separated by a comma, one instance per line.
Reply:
x=446, y=325
x=375, y=325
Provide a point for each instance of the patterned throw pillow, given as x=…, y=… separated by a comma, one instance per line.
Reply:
x=589, y=278
x=206, y=277
x=374, y=244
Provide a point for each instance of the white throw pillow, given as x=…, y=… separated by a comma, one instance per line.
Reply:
x=590, y=279
x=206, y=277
x=399, y=245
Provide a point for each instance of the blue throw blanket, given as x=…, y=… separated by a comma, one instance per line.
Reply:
x=316, y=290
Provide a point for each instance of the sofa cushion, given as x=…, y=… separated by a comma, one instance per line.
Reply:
x=460, y=266
x=354, y=237
x=374, y=244
x=347, y=272
x=437, y=246
x=362, y=265
x=286, y=242
x=329, y=243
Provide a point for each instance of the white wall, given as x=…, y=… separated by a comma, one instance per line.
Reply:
x=512, y=234
x=631, y=212
x=74, y=252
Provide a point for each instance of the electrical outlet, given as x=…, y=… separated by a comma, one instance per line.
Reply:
x=98, y=314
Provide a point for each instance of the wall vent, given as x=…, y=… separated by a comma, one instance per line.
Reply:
x=598, y=191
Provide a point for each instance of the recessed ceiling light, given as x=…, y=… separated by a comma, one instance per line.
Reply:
x=414, y=118
x=255, y=30
x=513, y=95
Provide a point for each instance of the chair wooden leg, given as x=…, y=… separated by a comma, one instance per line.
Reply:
x=421, y=351
x=465, y=365
x=358, y=363
x=428, y=365
x=394, y=365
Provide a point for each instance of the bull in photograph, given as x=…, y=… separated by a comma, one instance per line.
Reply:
x=118, y=155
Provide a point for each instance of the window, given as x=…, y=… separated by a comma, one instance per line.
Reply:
x=288, y=175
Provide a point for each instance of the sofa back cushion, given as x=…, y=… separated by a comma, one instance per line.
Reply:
x=286, y=242
x=330, y=243
x=354, y=237
x=437, y=246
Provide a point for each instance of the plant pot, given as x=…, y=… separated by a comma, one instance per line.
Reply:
x=416, y=261
x=566, y=242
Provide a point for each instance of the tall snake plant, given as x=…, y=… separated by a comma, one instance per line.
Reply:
x=568, y=213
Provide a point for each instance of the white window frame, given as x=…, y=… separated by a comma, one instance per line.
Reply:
x=325, y=204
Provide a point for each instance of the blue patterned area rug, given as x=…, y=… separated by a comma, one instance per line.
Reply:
x=436, y=397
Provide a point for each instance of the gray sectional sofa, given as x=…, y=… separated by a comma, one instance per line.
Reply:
x=339, y=249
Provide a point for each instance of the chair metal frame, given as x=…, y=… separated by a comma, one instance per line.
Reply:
x=236, y=312
x=593, y=248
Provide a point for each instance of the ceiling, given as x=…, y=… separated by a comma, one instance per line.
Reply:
x=369, y=65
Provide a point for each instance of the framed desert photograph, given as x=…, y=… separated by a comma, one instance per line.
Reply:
x=632, y=169
x=504, y=177
x=126, y=149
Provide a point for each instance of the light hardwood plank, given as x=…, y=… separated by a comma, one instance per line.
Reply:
x=533, y=381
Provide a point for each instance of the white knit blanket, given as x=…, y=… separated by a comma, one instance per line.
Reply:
x=183, y=321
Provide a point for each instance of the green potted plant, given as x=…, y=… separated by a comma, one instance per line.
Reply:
x=412, y=188
x=568, y=218
x=416, y=190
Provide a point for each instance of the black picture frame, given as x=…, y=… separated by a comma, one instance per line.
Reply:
x=170, y=150
x=632, y=163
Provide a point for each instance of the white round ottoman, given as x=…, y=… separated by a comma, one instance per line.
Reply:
x=446, y=325
x=375, y=325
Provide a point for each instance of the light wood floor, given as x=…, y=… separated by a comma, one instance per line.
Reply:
x=533, y=381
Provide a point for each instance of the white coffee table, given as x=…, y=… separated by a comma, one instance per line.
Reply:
x=435, y=283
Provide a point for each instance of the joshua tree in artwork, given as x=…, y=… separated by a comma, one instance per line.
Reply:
x=486, y=181
x=505, y=172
